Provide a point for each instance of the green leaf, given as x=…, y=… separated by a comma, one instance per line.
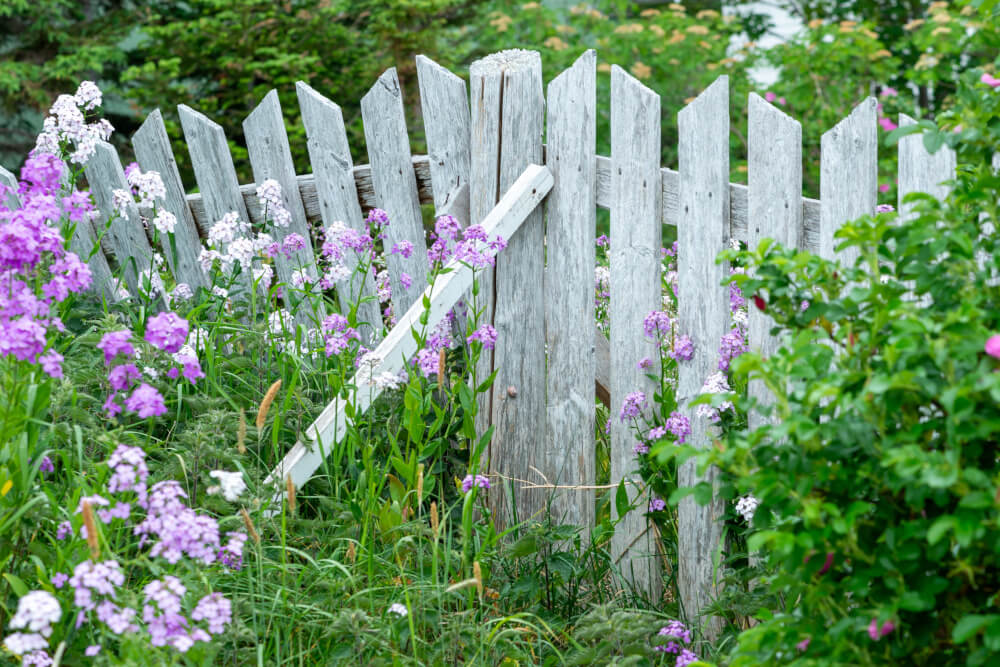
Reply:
x=15, y=583
x=621, y=499
x=969, y=625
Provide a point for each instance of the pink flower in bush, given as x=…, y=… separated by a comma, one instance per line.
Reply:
x=876, y=633
x=990, y=80
x=887, y=124
x=993, y=346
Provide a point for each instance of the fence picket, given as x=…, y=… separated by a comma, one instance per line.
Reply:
x=921, y=171
x=444, y=105
x=636, y=238
x=571, y=221
x=848, y=176
x=702, y=232
x=508, y=104
x=773, y=205
x=126, y=237
x=330, y=156
x=153, y=153
x=271, y=157
x=395, y=186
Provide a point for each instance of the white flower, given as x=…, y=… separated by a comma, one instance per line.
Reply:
x=337, y=273
x=150, y=283
x=387, y=380
x=241, y=250
x=37, y=611
x=602, y=278
x=263, y=277
x=398, y=608
x=220, y=292
x=269, y=194
x=746, y=506
x=165, y=221
x=88, y=95
x=121, y=200
x=740, y=317
x=716, y=383
x=150, y=372
x=197, y=338
x=224, y=230
x=207, y=257
x=301, y=278
x=231, y=484
x=22, y=644
x=182, y=292
x=149, y=186
x=279, y=322
x=367, y=364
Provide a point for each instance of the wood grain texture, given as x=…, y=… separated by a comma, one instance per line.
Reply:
x=395, y=186
x=921, y=171
x=444, y=105
x=703, y=304
x=518, y=416
x=570, y=228
x=153, y=153
x=773, y=204
x=635, y=291
x=399, y=345
x=330, y=156
x=422, y=173
x=271, y=158
x=848, y=176
x=126, y=237
x=7, y=180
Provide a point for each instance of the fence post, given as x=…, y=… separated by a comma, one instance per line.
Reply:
x=571, y=222
x=848, y=184
x=636, y=238
x=703, y=229
x=395, y=186
x=444, y=105
x=330, y=156
x=153, y=153
x=8, y=180
x=127, y=238
x=506, y=128
x=920, y=171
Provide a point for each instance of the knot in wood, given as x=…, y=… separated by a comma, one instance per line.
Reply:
x=512, y=391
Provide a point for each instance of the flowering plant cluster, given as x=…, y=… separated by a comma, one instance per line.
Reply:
x=873, y=469
x=96, y=600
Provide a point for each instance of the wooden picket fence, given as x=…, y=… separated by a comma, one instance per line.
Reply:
x=483, y=164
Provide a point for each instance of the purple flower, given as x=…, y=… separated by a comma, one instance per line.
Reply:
x=447, y=227
x=683, y=348
x=90, y=579
x=114, y=343
x=403, y=248
x=167, y=331
x=632, y=405
x=215, y=610
x=736, y=300
x=120, y=377
x=64, y=530
x=885, y=208
x=656, y=325
x=685, y=658
x=640, y=448
x=146, y=401
x=475, y=233
x=92, y=650
x=292, y=244
x=59, y=579
x=876, y=633
x=679, y=425
x=46, y=465
x=52, y=363
x=644, y=364
x=657, y=505
x=486, y=335
x=731, y=346
x=111, y=408
x=602, y=241
x=405, y=280
x=480, y=481
x=677, y=630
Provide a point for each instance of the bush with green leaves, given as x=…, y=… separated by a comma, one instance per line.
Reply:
x=876, y=471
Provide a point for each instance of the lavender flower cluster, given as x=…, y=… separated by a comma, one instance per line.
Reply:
x=677, y=634
x=98, y=587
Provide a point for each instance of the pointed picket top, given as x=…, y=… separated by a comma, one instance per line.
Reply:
x=920, y=170
x=153, y=153
x=703, y=230
x=571, y=222
x=213, y=166
x=774, y=175
x=395, y=186
x=8, y=180
x=444, y=105
x=848, y=175
x=330, y=156
x=126, y=235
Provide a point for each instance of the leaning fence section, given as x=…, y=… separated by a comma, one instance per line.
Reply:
x=550, y=359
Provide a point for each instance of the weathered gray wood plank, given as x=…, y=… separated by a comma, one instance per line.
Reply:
x=8, y=180
x=395, y=186
x=399, y=345
x=635, y=291
x=444, y=105
x=271, y=158
x=219, y=189
x=774, y=195
x=703, y=305
x=126, y=237
x=848, y=176
x=421, y=170
x=920, y=171
x=330, y=156
x=153, y=153
x=507, y=124
x=571, y=223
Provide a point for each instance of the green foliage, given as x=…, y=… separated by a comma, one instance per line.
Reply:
x=877, y=472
